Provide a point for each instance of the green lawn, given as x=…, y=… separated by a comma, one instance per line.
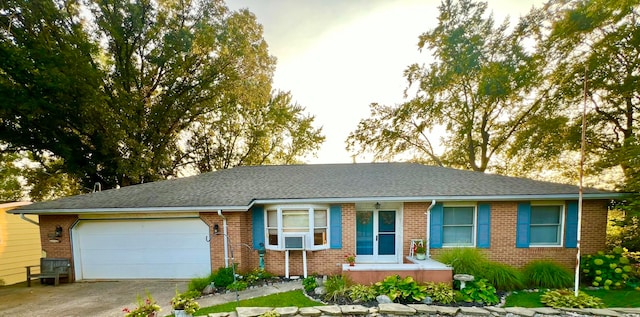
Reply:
x=292, y=298
x=611, y=298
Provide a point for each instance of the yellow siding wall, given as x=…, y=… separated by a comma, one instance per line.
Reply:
x=19, y=245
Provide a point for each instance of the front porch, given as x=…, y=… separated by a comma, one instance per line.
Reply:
x=427, y=270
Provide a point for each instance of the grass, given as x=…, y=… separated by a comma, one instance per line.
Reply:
x=611, y=298
x=291, y=298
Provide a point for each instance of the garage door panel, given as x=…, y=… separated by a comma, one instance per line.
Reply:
x=158, y=248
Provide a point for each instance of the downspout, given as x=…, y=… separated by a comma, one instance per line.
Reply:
x=226, y=244
x=29, y=220
x=428, y=238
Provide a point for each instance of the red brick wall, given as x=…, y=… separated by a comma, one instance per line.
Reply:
x=503, y=236
x=414, y=223
x=48, y=225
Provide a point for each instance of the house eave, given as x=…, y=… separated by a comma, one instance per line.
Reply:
x=184, y=209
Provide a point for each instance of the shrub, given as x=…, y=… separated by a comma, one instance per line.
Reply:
x=309, y=283
x=336, y=286
x=480, y=292
x=609, y=270
x=223, y=277
x=237, y=286
x=256, y=275
x=199, y=283
x=401, y=289
x=464, y=260
x=362, y=293
x=502, y=276
x=567, y=299
x=440, y=292
x=271, y=313
x=547, y=274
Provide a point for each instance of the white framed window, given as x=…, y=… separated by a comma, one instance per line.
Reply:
x=310, y=222
x=546, y=225
x=459, y=226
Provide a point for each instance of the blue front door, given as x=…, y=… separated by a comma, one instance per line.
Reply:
x=376, y=236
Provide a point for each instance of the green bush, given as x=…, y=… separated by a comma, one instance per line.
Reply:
x=336, y=287
x=362, y=293
x=547, y=274
x=440, y=292
x=480, y=291
x=199, y=283
x=504, y=277
x=237, y=286
x=256, y=275
x=309, y=283
x=609, y=270
x=223, y=277
x=401, y=289
x=567, y=299
x=464, y=260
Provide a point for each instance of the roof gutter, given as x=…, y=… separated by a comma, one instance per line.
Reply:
x=29, y=220
x=427, y=239
x=224, y=238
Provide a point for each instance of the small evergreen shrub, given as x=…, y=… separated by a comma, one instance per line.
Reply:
x=547, y=274
x=362, y=293
x=609, y=270
x=504, y=277
x=464, y=260
x=565, y=298
x=309, y=283
x=404, y=290
x=336, y=287
x=480, y=292
x=440, y=292
x=223, y=277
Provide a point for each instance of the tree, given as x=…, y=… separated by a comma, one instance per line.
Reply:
x=477, y=91
x=10, y=187
x=126, y=95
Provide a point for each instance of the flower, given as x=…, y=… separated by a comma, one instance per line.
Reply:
x=186, y=301
x=147, y=307
x=350, y=258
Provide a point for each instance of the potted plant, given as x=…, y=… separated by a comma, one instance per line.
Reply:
x=184, y=304
x=421, y=252
x=351, y=259
x=146, y=308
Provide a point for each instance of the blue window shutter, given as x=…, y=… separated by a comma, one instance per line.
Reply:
x=257, y=219
x=435, y=225
x=571, y=230
x=335, y=215
x=484, y=226
x=523, y=229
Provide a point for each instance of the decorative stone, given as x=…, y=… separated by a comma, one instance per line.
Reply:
x=354, y=310
x=208, y=290
x=309, y=311
x=496, y=311
x=252, y=311
x=521, y=311
x=423, y=309
x=396, y=309
x=220, y=314
x=603, y=312
x=320, y=290
x=383, y=299
x=451, y=311
x=546, y=311
x=427, y=300
x=474, y=311
x=333, y=310
x=287, y=311
x=463, y=278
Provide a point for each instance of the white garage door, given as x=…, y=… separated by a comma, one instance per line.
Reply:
x=159, y=248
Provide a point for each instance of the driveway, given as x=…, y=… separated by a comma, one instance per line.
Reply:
x=101, y=299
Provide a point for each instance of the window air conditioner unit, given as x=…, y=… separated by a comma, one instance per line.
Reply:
x=294, y=242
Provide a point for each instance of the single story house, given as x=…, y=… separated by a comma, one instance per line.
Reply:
x=19, y=244
x=307, y=217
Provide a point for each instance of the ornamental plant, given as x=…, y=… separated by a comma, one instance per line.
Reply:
x=480, y=292
x=186, y=301
x=607, y=270
x=350, y=258
x=565, y=298
x=401, y=289
x=147, y=307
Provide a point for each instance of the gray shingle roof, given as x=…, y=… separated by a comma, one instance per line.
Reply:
x=239, y=187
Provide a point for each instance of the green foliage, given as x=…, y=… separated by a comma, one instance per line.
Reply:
x=502, y=276
x=223, y=277
x=401, y=289
x=199, y=283
x=440, y=292
x=362, y=293
x=623, y=230
x=271, y=313
x=480, y=291
x=309, y=283
x=186, y=301
x=547, y=274
x=291, y=298
x=336, y=287
x=528, y=299
x=256, y=275
x=609, y=270
x=464, y=260
x=237, y=286
x=567, y=299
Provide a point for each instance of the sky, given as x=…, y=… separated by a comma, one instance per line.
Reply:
x=337, y=57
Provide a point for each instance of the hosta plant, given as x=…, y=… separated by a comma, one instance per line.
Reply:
x=607, y=270
x=480, y=292
x=441, y=292
x=362, y=293
x=565, y=298
x=401, y=289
